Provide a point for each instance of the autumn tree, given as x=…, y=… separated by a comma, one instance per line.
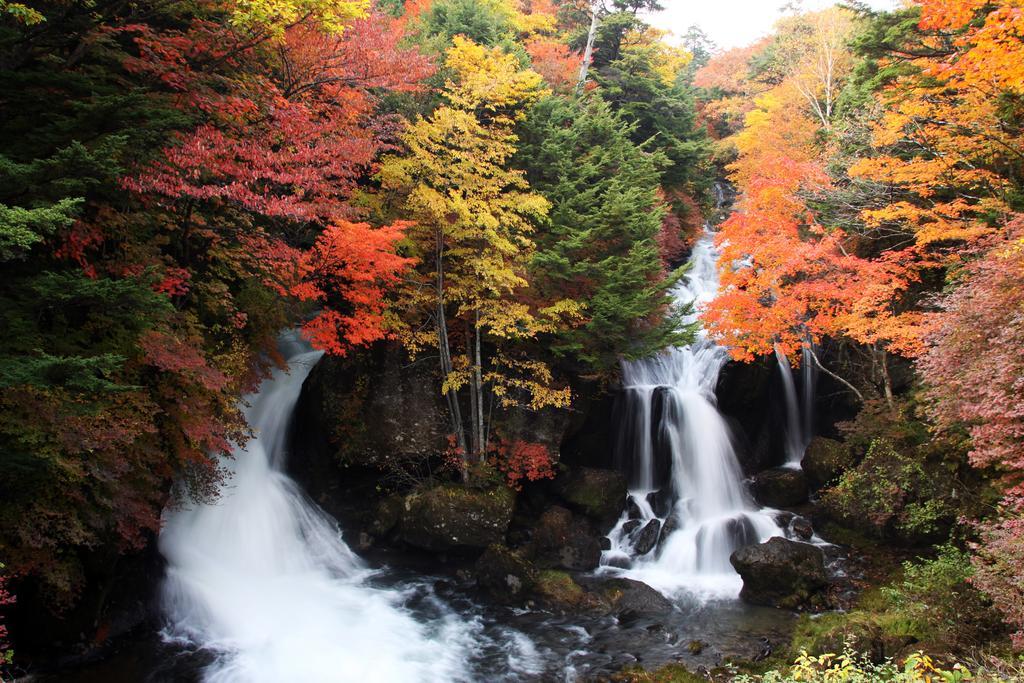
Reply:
x=474, y=217
x=158, y=194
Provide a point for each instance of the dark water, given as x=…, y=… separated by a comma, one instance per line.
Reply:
x=508, y=644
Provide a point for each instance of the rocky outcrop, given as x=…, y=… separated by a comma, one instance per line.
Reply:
x=455, y=517
x=780, y=487
x=563, y=540
x=377, y=408
x=504, y=574
x=782, y=573
x=598, y=494
x=825, y=460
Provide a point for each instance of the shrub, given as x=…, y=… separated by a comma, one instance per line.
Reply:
x=851, y=667
x=895, y=492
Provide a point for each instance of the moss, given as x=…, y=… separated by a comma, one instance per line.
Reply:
x=559, y=588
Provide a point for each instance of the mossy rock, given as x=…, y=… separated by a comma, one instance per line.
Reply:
x=505, y=574
x=782, y=573
x=452, y=516
x=558, y=589
x=599, y=494
x=825, y=461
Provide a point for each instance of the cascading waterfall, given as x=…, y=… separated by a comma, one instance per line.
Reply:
x=679, y=538
x=262, y=579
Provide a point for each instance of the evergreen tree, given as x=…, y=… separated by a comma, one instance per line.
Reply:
x=599, y=244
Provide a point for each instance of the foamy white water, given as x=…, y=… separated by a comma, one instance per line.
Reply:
x=671, y=414
x=263, y=579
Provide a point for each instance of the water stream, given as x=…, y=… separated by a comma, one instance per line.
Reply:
x=262, y=579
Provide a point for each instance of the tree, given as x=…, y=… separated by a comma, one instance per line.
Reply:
x=973, y=365
x=473, y=220
x=348, y=271
x=152, y=226
x=599, y=245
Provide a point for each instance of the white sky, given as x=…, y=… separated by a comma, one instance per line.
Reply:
x=733, y=23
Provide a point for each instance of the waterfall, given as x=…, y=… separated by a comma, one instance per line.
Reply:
x=794, y=442
x=799, y=413
x=702, y=513
x=809, y=374
x=262, y=579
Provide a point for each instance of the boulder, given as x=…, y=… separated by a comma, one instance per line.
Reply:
x=505, y=575
x=647, y=537
x=781, y=573
x=825, y=460
x=661, y=502
x=628, y=599
x=801, y=528
x=780, y=487
x=558, y=589
x=599, y=494
x=451, y=516
x=633, y=510
x=564, y=540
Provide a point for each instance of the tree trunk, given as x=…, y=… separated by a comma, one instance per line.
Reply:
x=478, y=389
x=444, y=353
x=883, y=364
x=475, y=435
x=589, y=51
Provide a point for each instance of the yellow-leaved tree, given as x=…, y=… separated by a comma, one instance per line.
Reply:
x=473, y=220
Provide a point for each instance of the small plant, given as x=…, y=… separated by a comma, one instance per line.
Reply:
x=853, y=667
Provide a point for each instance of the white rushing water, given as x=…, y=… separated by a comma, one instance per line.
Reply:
x=799, y=412
x=673, y=429
x=263, y=580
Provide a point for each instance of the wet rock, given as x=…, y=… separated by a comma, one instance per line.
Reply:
x=504, y=574
x=781, y=573
x=801, y=528
x=671, y=525
x=647, y=537
x=780, y=487
x=783, y=518
x=599, y=494
x=620, y=561
x=452, y=516
x=631, y=526
x=558, y=589
x=633, y=510
x=564, y=540
x=660, y=502
x=631, y=599
x=606, y=543
x=825, y=460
